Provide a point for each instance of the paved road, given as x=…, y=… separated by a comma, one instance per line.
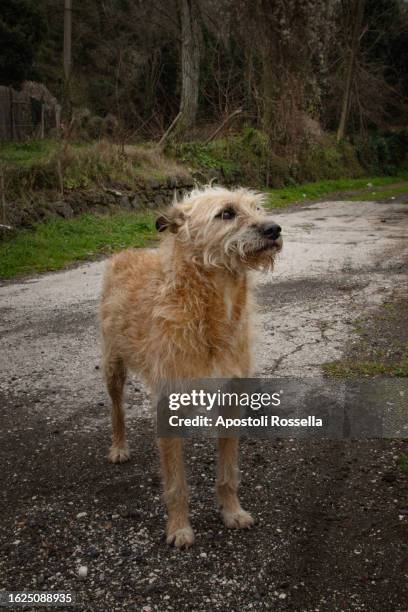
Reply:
x=340, y=259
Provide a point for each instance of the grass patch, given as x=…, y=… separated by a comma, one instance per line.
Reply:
x=382, y=349
x=278, y=198
x=248, y=157
x=26, y=153
x=403, y=462
x=58, y=242
x=366, y=369
x=382, y=194
x=39, y=166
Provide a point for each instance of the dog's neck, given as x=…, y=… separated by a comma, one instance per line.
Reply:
x=182, y=268
x=213, y=304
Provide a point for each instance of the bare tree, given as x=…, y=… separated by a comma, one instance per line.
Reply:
x=67, y=49
x=351, y=68
x=190, y=64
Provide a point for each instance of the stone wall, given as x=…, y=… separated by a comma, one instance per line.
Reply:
x=149, y=194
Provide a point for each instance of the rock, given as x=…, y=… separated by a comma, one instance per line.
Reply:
x=82, y=571
x=124, y=202
x=389, y=477
x=81, y=515
x=64, y=210
x=114, y=192
x=159, y=200
x=78, y=204
x=172, y=182
x=99, y=209
x=153, y=183
x=136, y=202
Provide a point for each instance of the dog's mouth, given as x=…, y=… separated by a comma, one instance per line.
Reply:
x=269, y=244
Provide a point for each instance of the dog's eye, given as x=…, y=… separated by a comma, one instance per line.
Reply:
x=228, y=213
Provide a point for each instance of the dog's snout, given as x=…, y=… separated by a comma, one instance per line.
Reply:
x=272, y=231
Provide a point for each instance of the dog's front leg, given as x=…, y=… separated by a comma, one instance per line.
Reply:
x=179, y=532
x=227, y=485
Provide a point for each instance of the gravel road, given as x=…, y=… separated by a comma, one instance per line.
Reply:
x=331, y=517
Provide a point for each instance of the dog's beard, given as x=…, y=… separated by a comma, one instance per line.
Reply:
x=251, y=249
x=236, y=254
x=235, y=251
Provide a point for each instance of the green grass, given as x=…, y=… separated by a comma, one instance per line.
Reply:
x=382, y=194
x=58, y=242
x=26, y=153
x=403, y=462
x=364, y=369
x=382, y=348
x=278, y=198
x=31, y=168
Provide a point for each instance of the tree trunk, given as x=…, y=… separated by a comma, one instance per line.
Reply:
x=190, y=65
x=67, y=52
x=355, y=43
x=269, y=91
x=67, y=38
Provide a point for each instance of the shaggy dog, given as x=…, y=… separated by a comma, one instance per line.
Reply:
x=183, y=311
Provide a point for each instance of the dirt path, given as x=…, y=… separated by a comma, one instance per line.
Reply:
x=330, y=515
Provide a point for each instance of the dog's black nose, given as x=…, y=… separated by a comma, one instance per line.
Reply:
x=272, y=231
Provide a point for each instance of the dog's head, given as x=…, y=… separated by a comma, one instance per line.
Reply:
x=224, y=228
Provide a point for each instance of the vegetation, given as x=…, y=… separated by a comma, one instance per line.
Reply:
x=291, y=66
x=23, y=29
x=248, y=157
x=382, y=349
x=58, y=242
x=36, y=166
x=383, y=194
x=367, y=369
x=288, y=95
x=26, y=153
x=403, y=462
x=347, y=189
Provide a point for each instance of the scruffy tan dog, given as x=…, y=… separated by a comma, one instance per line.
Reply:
x=183, y=311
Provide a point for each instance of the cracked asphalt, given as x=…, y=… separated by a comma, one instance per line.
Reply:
x=331, y=516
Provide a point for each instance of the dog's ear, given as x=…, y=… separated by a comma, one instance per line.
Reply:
x=161, y=224
x=171, y=220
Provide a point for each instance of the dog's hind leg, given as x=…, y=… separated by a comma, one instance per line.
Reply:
x=227, y=485
x=115, y=373
x=179, y=532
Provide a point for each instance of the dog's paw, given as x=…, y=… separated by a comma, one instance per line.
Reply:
x=237, y=520
x=181, y=538
x=119, y=454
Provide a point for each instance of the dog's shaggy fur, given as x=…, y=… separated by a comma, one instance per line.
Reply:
x=183, y=311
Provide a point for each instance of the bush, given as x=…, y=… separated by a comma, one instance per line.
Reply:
x=248, y=157
x=383, y=153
